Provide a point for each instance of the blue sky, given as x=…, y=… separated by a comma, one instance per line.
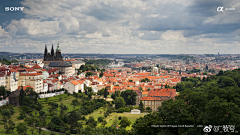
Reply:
x=121, y=26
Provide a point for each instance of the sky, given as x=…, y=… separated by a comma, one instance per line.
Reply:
x=121, y=26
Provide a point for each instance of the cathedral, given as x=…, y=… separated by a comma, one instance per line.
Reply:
x=53, y=56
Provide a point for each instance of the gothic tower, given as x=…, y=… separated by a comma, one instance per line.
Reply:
x=45, y=53
x=53, y=56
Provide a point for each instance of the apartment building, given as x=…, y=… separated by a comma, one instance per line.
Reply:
x=2, y=80
x=35, y=80
x=12, y=81
x=156, y=97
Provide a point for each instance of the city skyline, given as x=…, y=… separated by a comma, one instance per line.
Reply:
x=121, y=27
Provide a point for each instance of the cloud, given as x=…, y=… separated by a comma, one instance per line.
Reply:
x=126, y=26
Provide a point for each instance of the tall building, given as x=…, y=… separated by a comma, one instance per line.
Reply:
x=53, y=56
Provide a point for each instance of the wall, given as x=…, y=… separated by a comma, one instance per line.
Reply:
x=51, y=94
x=3, y=102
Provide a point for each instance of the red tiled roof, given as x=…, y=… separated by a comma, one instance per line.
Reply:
x=25, y=87
x=150, y=98
x=74, y=82
x=36, y=66
x=30, y=74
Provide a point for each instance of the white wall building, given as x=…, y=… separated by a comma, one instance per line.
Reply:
x=2, y=80
x=72, y=86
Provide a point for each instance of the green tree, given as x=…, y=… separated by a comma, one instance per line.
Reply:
x=9, y=126
x=21, y=97
x=115, y=123
x=104, y=122
x=100, y=119
x=125, y=122
x=101, y=92
x=119, y=102
x=2, y=91
x=88, y=74
x=105, y=93
x=113, y=96
x=6, y=112
x=141, y=106
x=148, y=109
x=220, y=73
x=91, y=122
x=141, y=125
x=75, y=103
x=63, y=108
x=101, y=75
x=129, y=97
x=22, y=129
x=118, y=93
x=22, y=115
x=121, y=110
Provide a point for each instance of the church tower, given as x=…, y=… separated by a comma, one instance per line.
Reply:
x=58, y=53
x=52, y=54
x=45, y=53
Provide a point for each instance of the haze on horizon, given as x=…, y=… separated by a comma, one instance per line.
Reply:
x=121, y=27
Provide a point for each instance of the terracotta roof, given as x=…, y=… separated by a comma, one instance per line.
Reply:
x=25, y=87
x=30, y=74
x=74, y=82
x=13, y=70
x=36, y=66
x=150, y=98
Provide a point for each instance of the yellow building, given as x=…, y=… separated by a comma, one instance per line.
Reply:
x=35, y=80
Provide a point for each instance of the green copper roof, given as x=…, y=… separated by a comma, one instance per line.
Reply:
x=58, y=49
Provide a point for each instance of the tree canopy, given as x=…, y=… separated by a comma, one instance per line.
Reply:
x=211, y=101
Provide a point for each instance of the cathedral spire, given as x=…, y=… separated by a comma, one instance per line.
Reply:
x=45, y=52
x=58, y=49
x=52, y=51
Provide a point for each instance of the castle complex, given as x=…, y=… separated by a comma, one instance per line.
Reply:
x=53, y=56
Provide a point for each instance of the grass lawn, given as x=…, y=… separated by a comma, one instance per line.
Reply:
x=131, y=117
x=97, y=113
x=178, y=92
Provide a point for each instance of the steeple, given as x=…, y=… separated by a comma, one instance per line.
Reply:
x=52, y=51
x=45, y=52
x=58, y=49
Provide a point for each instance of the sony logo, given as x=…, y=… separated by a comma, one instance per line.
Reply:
x=14, y=8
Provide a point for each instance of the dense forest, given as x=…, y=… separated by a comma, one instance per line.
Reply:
x=7, y=62
x=99, y=62
x=184, y=57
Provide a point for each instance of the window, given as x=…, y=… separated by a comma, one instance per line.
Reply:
x=29, y=77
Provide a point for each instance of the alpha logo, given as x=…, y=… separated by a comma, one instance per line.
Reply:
x=220, y=9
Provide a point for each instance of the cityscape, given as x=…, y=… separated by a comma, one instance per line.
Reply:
x=128, y=67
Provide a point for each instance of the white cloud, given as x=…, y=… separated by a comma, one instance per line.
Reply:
x=153, y=26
